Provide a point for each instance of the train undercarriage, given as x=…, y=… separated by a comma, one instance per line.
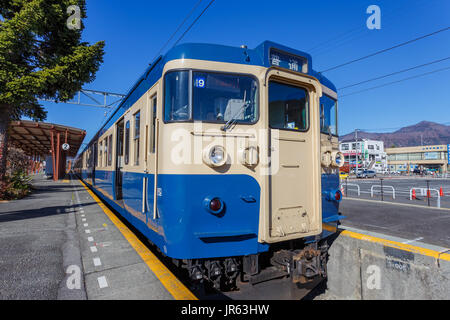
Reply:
x=299, y=267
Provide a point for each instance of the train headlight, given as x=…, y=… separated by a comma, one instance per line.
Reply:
x=249, y=156
x=326, y=159
x=337, y=159
x=215, y=156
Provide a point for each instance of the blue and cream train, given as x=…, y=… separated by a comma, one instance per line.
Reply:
x=226, y=159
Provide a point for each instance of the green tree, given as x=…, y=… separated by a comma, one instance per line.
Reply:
x=42, y=56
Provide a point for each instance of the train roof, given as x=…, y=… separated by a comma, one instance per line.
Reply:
x=259, y=56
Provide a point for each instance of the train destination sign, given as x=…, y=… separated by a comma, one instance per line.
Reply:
x=287, y=61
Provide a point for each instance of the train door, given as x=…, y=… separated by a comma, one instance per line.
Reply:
x=95, y=160
x=119, y=159
x=152, y=155
x=294, y=176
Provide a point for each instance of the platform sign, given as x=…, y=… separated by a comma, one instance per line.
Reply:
x=448, y=154
x=65, y=146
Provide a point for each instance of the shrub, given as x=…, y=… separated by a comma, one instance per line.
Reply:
x=16, y=186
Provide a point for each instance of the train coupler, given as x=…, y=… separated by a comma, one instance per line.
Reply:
x=308, y=264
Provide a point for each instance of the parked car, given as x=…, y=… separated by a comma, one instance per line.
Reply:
x=366, y=174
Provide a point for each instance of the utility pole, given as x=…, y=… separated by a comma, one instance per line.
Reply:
x=356, y=151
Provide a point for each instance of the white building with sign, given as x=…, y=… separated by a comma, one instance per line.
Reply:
x=364, y=154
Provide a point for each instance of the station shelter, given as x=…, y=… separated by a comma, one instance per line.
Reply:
x=49, y=141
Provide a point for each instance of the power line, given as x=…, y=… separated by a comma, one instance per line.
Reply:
x=194, y=22
x=387, y=84
x=179, y=27
x=349, y=35
x=385, y=50
x=394, y=73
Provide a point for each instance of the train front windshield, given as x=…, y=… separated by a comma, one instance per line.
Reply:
x=328, y=115
x=210, y=97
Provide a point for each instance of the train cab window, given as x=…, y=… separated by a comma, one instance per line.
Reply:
x=127, y=142
x=110, y=150
x=137, y=133
x=288, y=107
x=223, y=97
x=328, y=115
x=177, y=106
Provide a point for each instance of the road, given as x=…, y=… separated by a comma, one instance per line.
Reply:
x=410, y=222
x=402, y=187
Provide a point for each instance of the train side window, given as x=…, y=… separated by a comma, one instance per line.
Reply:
x=110, y=150
x=288, y=107
x=153, y=138
x=127, y=142
x=100, y=154
x=137, y=134
x=106, y=152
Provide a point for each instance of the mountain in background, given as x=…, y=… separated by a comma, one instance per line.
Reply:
x=423, y=133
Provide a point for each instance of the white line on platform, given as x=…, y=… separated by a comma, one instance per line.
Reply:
x=90, y=239
x=94, y=249
x=86, y=225
x=102, y=283
x=97, y=262
x=87, y=231
x=84, y=219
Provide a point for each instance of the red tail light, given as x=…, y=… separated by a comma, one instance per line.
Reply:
x=215, y=205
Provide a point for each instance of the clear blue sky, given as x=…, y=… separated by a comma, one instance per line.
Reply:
x=135, y=30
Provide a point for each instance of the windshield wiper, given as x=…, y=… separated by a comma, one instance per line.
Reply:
x=233, y=119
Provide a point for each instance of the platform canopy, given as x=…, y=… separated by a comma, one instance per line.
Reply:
x=37, y=138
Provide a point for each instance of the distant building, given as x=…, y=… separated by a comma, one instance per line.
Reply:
x=433, y=158
x=364, y=154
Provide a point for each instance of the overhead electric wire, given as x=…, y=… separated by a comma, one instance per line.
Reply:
x=194, y=22
x=393, y=82
x=363, y=31
x=179, y=27
x=394, y=73
x=355, y=31
x=387, y=49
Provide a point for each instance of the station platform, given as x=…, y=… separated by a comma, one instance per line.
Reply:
x=61, y=242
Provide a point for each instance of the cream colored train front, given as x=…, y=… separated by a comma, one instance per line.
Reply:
x=215, y=155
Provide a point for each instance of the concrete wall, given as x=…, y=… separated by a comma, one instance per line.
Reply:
x=367, y=267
